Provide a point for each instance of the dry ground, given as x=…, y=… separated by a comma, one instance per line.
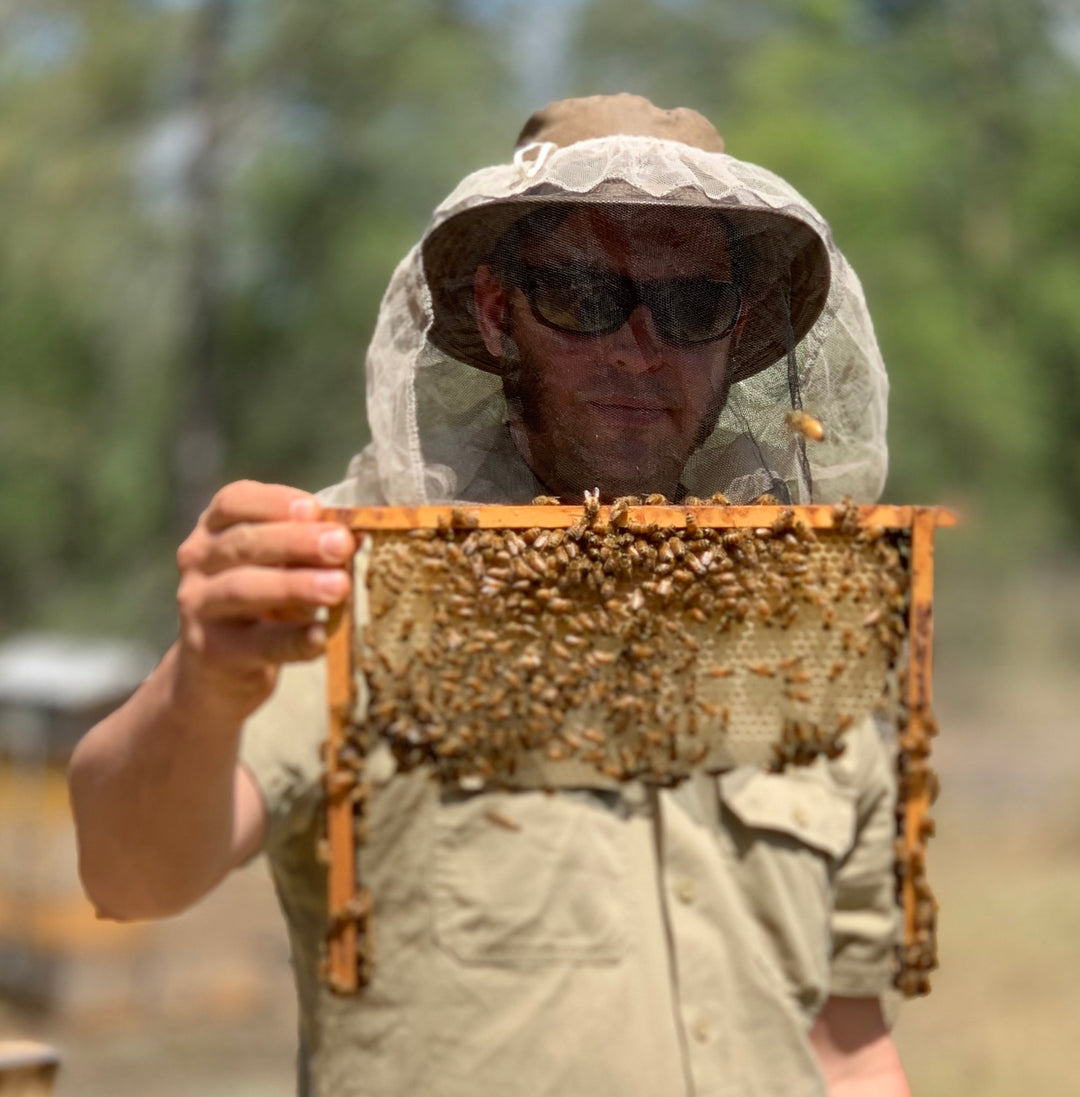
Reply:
x=214, y=1015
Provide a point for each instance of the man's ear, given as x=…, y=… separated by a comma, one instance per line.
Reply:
x=492, y=305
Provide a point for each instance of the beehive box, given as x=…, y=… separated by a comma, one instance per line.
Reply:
x=551, y=646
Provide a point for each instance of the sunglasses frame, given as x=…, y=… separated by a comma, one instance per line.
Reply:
x=630, y=293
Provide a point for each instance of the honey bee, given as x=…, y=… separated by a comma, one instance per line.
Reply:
x=340, y=783
x=762, y=670
x=464, y=519
x=617, y=515
x=656, y=500
x=806, y=425
x=501, y=820
x=546, y=501
x=835, y=748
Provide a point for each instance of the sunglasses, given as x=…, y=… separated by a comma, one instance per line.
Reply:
x=586, y=301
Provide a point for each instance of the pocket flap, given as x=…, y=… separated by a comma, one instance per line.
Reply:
x=802, y=809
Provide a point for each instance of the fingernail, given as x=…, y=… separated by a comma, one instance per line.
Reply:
x=335, y=545
x=316, y=636
x=331, y=584
x=303, y=509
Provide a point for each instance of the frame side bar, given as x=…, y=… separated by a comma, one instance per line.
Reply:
x=343, y=935
x=917, y=781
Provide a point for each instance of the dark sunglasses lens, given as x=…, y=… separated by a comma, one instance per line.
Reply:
x=579, y=301
x=696, y=310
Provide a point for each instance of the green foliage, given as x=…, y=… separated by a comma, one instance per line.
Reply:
x=939, y=139
x=941, y=142
x=338, y=131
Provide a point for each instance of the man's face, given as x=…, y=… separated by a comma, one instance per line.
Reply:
x=623, y=410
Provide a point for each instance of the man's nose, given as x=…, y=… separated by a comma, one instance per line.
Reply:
x=636, y=348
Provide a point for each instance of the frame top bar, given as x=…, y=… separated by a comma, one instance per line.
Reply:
x=488, y=516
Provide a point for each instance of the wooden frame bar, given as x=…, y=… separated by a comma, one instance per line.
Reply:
x=346, y=973
x=343, y=937
x=673, y=516
x=917, y=780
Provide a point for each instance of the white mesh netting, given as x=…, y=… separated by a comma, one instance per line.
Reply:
x=443, y=426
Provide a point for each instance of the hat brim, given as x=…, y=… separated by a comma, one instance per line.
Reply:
x=787, y=283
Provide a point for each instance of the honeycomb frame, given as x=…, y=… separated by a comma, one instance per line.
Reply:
x=348, y=957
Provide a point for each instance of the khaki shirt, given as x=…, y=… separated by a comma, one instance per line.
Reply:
x=638, y=942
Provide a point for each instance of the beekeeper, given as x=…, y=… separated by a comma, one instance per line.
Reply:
x=626, y=307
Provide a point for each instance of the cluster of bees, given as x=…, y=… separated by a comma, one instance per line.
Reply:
x=638, y=651
x=624, y=650
x=917, y=789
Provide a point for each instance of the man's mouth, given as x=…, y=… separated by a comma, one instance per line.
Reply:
x=628, y=411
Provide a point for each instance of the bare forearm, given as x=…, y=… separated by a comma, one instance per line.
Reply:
x=162, y=811
x=884, y=1079
x=856, y=1052
x=152, y=788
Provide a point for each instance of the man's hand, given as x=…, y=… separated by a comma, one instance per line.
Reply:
x=256, y=574
x=162, y=808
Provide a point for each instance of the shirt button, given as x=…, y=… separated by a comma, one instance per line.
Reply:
x=800, y=817
x=686, y=890
x=700, y=1029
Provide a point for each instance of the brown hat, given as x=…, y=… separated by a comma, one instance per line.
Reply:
x=787, y=277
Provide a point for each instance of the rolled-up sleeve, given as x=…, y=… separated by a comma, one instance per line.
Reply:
x=281, y=749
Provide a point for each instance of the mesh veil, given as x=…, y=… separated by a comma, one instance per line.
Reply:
x=441, y=418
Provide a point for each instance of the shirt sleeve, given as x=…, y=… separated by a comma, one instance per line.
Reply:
x=865, y=919
x=281, y=748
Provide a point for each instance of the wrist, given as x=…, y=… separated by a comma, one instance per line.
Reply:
x=205, y=693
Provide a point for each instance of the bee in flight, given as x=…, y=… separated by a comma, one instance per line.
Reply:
x=806, y=425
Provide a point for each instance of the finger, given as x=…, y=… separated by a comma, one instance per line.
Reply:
x=249, y=593
x=251, y=501
x=298, y=615
x=284, y=544
x=263, y=643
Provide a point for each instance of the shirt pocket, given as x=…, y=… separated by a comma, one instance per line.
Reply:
x=788, y=835
x=797, y=810
x=530, y=878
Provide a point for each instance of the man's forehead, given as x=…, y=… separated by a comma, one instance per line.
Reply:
x=625, y=233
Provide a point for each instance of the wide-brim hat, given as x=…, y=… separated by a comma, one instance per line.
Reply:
x=785, y=281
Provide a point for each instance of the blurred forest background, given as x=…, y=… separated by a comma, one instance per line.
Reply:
x=201, y=202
